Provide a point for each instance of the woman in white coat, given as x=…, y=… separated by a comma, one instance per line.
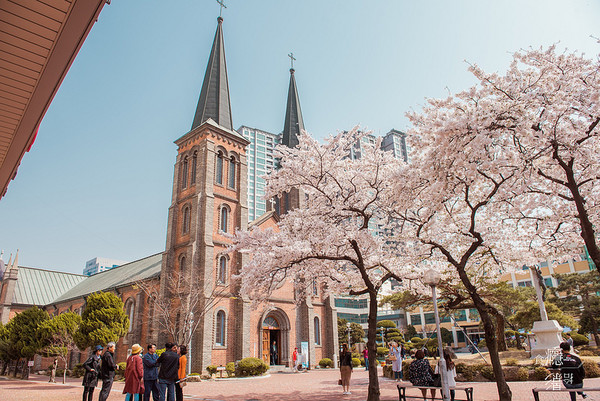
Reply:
x=397, y=362
x=450, y=373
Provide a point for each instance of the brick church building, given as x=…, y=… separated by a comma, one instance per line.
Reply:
x=209, y=201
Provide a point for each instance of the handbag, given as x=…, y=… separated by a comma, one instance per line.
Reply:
x=392, y=357
x=339, y=382
x=437, y=380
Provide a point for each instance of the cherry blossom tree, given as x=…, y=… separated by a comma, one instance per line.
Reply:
x=551, y=109
x=452, y=202
x=335, y=238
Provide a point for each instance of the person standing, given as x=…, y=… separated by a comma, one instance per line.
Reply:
x=90, y=378
x=168, y=374
x=345, y=368
x=569, y=340
x=274, y=353
x=181, y=373
x=420, y=373
x=571, y=370
x=134, y=374
x=295, y=360
x=53, y=371
x=450, y=375
x=365, y=353
x=396, y=360
x=150, y=374
x=108, y=371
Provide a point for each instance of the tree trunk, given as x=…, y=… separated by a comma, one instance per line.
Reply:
x=594, y=324
x=490, y=339
x=500, y=327
x=373, y=390
x=587, y=229
x=25, y=370
x=16, y=367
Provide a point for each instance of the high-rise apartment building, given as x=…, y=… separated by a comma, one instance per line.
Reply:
x=395, y=141
x=98, y=265
x=260, y=162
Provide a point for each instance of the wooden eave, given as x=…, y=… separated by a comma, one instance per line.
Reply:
x=39, y=40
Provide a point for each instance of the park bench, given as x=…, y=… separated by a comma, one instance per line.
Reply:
x=404, y=385
x=536, y=391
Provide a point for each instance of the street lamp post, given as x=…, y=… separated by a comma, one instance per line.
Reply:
x=432, y=279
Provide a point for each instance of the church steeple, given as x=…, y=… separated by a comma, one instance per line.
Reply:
x=214, y=97
x=293, y=114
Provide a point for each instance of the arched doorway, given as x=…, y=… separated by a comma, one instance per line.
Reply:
x=274, y=332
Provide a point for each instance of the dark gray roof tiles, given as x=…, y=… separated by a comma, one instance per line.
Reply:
x=294, y=123
x=214, y=96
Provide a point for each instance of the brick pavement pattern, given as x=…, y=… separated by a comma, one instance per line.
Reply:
x=314, y=385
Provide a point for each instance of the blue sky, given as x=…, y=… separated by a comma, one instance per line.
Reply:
x=98, y=180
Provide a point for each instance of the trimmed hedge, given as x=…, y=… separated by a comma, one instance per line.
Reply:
x=355, y=362
x=579, y=339
x=230, y=369
x=250, y=367
x=541, y=373
x=591, y=368
x=326, y=363
x=211, y=369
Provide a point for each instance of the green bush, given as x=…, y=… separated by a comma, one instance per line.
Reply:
x=586, y=352
x=405, y=367
x=540, y=373
x=250, y=367
x=416, y=340
x=326, y=363
x=511, y=362
x=468, y=371
x=355, y=362
x=355, y=355
x=579, y=339
x=386, y=323
x=523, y=374
x=487, y=372
x=211, y=369
x=382, y=351
x=78, y=370
x=230, y=369
x=160, y=351
x=591, y=368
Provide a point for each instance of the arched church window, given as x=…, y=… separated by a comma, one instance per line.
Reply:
x=224, y=219
x=182, y=265
x=231, y=176
x=186, y=219
x=184, y=173
x=194, y=166
x=220, y=329
x=222, y=273
x=317, y=331
x=270, y=323
x=219, y=169
x=129, y=310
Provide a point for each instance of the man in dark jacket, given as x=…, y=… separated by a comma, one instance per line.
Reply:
x=571, y=369
x=151, y=374
x=108, y=371
x=169, y=372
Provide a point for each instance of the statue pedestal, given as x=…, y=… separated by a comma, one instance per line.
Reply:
x=547, y=336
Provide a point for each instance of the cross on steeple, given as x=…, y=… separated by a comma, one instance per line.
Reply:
x=222, y=3
x=292, y=58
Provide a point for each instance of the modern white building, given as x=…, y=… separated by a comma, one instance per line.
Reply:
x=98, y=265
x=260, y=161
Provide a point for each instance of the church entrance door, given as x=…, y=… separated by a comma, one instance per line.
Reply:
x=271, y=341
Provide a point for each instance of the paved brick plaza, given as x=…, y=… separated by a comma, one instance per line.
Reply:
x=314, y=385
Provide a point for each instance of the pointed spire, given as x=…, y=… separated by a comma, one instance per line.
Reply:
x=293, y=114
x=214, y=97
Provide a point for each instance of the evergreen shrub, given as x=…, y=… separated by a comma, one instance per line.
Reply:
x=250, y=367
x=326, y=363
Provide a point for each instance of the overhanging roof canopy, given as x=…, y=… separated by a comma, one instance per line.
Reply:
x=39, y=40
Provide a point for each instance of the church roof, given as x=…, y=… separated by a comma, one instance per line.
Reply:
x=40, y=287
x=293, y=124
x=114, y=278
x=214, y=96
